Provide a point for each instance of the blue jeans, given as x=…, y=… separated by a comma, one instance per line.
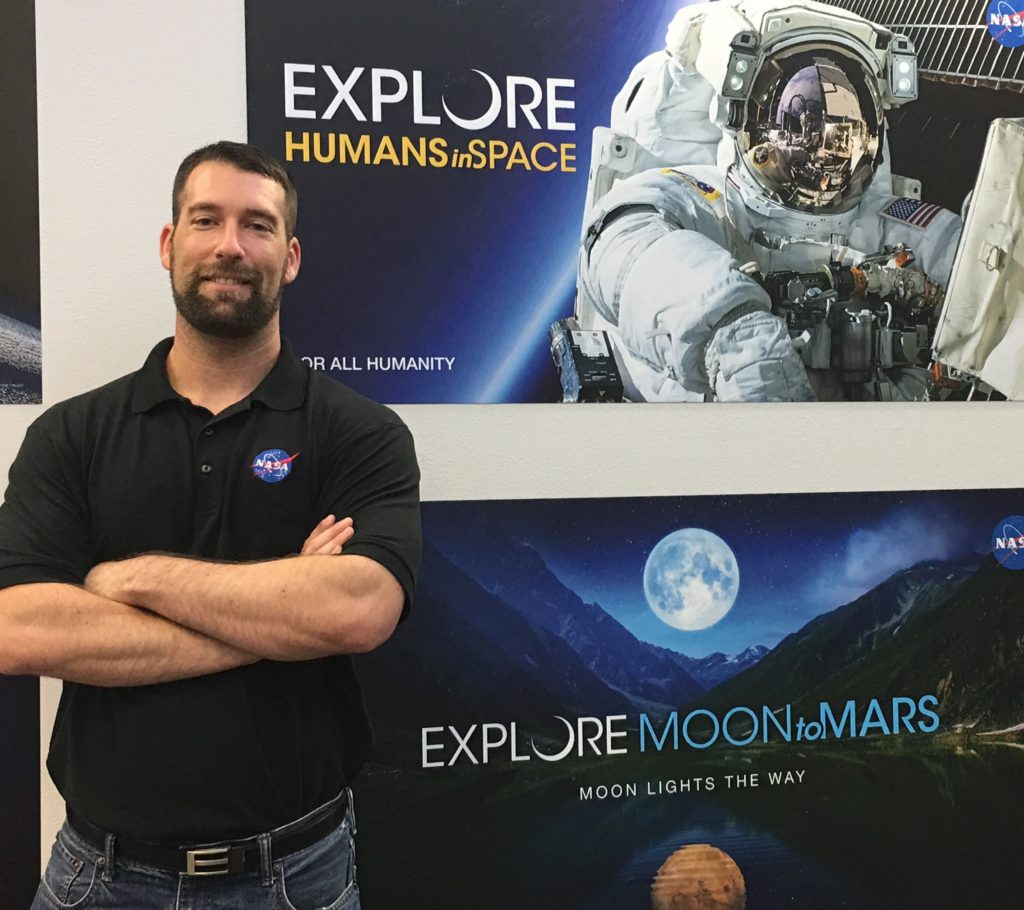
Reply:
x=320, y=877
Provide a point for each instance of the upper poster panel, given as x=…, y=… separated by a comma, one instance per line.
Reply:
x=527, y=202
x=20, y=342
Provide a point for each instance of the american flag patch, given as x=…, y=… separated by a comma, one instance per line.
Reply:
x=912, y=211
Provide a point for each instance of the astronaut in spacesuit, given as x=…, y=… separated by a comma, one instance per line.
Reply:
x=755, y=147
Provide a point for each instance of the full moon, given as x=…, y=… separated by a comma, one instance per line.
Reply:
x=691, y=579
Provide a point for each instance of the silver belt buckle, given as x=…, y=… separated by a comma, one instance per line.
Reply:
x=210, y=861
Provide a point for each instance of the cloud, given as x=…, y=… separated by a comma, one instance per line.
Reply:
x=901, y=539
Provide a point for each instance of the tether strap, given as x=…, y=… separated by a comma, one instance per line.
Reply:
x=595, y=230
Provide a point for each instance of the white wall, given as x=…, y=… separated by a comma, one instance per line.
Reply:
x=128, y=87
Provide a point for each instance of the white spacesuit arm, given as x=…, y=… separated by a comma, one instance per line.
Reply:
x=751, y=358
x=682, y=304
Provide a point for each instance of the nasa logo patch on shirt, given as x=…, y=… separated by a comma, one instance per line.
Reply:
x=272, y=465
x=912, y=211
x=705, y=189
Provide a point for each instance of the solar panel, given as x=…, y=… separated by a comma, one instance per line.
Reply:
x=951, y=37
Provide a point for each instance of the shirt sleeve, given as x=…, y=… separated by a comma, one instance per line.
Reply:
x=44, y=526
x=374, y=478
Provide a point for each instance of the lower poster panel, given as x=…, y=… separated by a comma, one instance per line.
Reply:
x=19, y=790
x=792, y=701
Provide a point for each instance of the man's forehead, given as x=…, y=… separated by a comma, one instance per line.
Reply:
x=217, y=183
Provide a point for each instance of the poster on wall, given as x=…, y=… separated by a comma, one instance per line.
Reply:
x=20, y=340
x=19, y=790
x=771, y=701
x=525, y=201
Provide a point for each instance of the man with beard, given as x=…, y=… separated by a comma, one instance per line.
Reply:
x=195, y=549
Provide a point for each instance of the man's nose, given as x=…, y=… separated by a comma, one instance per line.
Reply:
x=229, y=242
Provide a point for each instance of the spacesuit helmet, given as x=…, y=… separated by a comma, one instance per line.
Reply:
x=813, y=128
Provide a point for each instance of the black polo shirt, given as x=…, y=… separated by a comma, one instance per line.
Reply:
x=133, y=468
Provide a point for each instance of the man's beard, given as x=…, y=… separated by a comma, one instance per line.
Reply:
x=240, y=318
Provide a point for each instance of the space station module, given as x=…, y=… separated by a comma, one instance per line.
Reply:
x=744, y=238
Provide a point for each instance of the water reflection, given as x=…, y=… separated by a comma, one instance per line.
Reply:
x=893, y=826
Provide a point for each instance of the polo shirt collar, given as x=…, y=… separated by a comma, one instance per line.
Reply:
x=282, y=389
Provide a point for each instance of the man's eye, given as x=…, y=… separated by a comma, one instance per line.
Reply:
x=202, y=222
x=260, y=226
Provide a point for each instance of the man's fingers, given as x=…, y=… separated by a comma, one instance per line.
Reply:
x=322, y=531
x=332, y=541
x=323, y=525
x=328, y=537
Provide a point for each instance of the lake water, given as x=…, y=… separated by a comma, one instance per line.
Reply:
x=868, y=829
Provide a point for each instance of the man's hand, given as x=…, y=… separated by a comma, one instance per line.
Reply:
x=328, y=537
x=110, y=579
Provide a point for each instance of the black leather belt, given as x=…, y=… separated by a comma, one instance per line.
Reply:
x=223, y=858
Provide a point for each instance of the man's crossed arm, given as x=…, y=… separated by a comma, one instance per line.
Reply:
x=155, y=618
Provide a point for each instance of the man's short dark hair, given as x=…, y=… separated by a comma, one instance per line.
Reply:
x=245, y=157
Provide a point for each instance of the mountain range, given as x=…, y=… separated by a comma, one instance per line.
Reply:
x=496, y=636
x=953, y=629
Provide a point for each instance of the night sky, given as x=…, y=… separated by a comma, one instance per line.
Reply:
x=799, y=555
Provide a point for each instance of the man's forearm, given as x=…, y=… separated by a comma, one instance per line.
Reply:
x=66, y=632
x=284, y=609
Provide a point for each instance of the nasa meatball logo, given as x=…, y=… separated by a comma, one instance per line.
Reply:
x=1005, y=20
x=1008, y=542
x=272, y=465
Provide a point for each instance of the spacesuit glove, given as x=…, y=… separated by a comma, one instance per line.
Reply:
x=753, y=359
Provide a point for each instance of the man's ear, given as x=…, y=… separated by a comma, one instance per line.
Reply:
x=291, y=265
x=166, y=235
